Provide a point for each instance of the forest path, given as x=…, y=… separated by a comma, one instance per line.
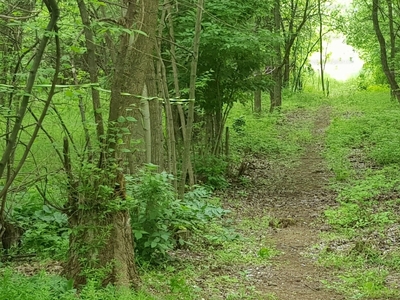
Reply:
x=296, y=195
x=304, y=196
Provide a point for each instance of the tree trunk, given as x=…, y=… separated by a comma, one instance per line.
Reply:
x=276, y=95
x=257, y=101
x=92, y=67
x=101, y=242
x=392, y=35
x=156, y=122
x=163, y=90
x=321, y=61
x=286, y=72
x=383, y=54
x=192, y=89
x=145, y=112
x=177, y=89
x=276, y=102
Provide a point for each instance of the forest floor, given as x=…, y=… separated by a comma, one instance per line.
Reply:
x=295, y=195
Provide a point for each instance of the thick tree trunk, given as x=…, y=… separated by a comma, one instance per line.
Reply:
x=131, y=71
x=101, y=242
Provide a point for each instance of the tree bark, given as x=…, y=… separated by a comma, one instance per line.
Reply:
x=101, y=240
x=92, y=67
x=321, y=60
x=163, y=90
x=257, y=101
x=156, y=122
x=192, y=89
x=176, y=86
x=276, y=94
x=383, y=51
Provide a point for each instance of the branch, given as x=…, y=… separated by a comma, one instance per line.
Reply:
x=4, y=17
x=53, y=9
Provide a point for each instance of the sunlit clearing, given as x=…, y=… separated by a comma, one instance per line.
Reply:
x=342, y=60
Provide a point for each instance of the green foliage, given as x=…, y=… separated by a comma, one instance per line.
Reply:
x=44, y=286
x=160, y=221
x=239, y=124
x=373, y=134
x=152, y=214
x=356, y=216
x=211, y=170
x=230, y=53
x=45, y=228
x=359, y=202
x=47, y=234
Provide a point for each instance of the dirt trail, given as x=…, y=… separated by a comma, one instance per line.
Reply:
x=296, y=197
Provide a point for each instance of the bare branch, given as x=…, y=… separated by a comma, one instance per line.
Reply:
x=12, y=18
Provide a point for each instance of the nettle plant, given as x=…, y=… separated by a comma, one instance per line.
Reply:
x=160, y=220
x=45, y=229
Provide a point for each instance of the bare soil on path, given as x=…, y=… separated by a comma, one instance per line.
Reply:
x=295, y=195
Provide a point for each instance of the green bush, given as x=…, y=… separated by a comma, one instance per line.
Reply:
x=160, y=221
x=211, y=171
x=45, y=228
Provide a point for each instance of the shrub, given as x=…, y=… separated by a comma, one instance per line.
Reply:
x=211, y=171
x=45, y=228
x=160, y=221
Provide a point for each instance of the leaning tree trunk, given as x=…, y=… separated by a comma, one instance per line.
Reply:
x=383, y=52
x=321, y=61
x=13, y=136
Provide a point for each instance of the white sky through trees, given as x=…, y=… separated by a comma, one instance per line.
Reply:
x=343, y=61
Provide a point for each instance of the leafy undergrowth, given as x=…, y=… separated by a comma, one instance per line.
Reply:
x=227, y=255
x=221, y=268
x=363, y=151
x=210, y=253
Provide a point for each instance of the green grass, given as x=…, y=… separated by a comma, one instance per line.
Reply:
x=365, y=284
x=362, y=151
x=281, y=135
